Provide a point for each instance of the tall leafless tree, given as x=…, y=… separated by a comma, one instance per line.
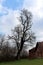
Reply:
x=22, y=33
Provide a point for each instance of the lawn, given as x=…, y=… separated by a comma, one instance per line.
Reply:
x=24, y=62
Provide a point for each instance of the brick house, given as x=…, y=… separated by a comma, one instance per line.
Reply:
x=36, y=52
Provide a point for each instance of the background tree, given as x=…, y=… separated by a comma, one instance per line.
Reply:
x=2, y=39
x=22, y=33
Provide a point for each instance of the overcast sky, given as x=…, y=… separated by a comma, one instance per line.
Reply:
x=9, y=11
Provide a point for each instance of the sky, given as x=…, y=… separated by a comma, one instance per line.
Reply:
x=9, y=11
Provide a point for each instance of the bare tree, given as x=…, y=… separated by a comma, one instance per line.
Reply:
x=6, y=49
x=22, y=33
x=2, y=39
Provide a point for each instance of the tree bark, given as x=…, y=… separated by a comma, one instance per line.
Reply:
x=19, y=51
x=21, y=47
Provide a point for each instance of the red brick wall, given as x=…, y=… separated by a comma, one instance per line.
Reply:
x=38, y=53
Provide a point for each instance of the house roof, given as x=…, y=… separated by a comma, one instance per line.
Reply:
x=38, y=45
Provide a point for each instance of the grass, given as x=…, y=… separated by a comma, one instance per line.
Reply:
x=24, y=62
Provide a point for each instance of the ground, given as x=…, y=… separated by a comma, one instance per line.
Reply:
x=24, y=62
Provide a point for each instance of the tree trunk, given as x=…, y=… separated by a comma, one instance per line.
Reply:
x=18, y=55
x=19, y=51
